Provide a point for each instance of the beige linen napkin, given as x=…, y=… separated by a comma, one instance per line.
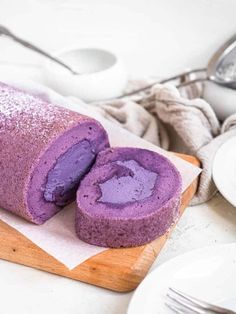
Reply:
x=177, y=120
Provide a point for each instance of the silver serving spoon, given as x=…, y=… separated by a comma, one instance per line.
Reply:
x=222, y=66
x=221, y=70
x=6, y=32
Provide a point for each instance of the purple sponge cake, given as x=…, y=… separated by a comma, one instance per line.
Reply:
x=45, y=150
x=130, y=197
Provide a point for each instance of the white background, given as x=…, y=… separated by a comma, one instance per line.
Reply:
x=157, y=37
x=154, y=37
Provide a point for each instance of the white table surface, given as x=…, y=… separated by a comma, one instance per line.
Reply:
x=154, y=37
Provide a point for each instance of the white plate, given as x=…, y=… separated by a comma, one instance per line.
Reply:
x=208, y=274
x=224, y=170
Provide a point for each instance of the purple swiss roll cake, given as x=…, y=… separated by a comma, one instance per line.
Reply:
x=45, y=150
x=130, y=197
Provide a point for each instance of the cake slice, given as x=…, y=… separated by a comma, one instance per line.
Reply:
x=130, y=197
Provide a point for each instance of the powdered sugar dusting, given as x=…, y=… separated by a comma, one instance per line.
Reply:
x=24, y=113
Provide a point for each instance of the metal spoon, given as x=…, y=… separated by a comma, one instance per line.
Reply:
x=221, y=64
x=6, y=32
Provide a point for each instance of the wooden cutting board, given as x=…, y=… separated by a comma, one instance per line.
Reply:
x=116, y=269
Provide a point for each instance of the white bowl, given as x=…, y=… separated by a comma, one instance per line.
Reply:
x=102, y=74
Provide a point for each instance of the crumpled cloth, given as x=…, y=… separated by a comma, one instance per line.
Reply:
x=176, y=120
